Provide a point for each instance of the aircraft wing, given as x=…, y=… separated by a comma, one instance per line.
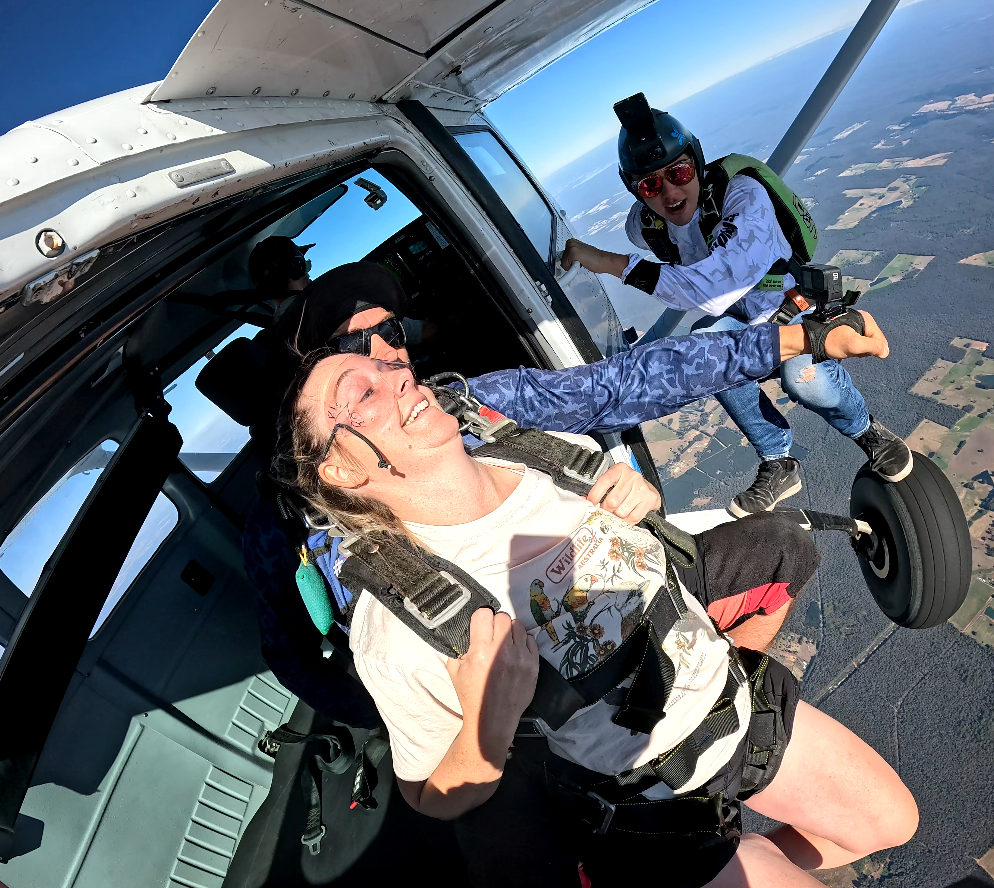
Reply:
x=458, y=53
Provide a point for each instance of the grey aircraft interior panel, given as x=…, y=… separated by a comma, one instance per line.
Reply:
x=151, y=770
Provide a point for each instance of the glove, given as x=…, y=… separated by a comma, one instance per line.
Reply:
x=818, y=331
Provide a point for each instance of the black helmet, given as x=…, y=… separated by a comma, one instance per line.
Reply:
x=275, y=260
x=650, y=139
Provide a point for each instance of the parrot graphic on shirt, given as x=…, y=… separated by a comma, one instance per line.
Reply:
x=575, y=600
x=542, y=610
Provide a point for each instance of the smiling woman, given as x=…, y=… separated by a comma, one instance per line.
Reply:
x=338, y=472
x=453, y=706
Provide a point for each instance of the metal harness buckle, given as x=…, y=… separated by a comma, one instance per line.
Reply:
x=607, y=810
x=313, y=843
x=467, y=409
x=586, y=476
x=446, y=613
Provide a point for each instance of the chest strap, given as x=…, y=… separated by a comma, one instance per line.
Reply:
x=616, y=802
x=436, y=600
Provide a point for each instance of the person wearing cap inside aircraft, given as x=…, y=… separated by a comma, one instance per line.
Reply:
x=719, y=233
x=280, y=268
x=354, y=309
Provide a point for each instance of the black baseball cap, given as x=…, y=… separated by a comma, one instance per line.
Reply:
x=275, y=259
x=321, y=308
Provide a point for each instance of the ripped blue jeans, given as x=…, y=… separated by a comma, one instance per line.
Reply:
x=825, y=388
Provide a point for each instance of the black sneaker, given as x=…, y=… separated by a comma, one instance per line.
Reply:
x=776, y=479
x=889, y=456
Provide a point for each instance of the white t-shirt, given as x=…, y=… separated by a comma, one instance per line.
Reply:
x=579, y=579
x=747, y=242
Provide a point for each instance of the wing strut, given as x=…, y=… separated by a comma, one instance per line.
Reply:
x=832, y=83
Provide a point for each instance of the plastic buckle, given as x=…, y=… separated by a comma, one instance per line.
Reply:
x=448, y=613
x=608, y=814
x=527, y=727
x=314, y=843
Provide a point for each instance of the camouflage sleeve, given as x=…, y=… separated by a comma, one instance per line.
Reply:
x=634, y=386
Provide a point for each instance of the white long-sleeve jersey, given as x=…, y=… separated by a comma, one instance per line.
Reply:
x=747, y=242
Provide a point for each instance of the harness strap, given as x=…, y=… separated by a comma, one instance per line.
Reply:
x=430, y=595
x=616, y=802
x=676, y=766
x=766, y=733
x=688, y=815
x=642, y=707
x=571, y=465
x=793, y=304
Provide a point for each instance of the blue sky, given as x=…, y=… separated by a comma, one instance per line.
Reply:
x=73, y=52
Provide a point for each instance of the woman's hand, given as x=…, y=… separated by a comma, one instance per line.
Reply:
x=597, y=261
x=495, y=680
x=624, y=492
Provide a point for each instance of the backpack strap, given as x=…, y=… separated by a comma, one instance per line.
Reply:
x=657, y=237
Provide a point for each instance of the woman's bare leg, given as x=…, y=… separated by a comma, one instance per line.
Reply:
x=841, y=800
x=758, y=862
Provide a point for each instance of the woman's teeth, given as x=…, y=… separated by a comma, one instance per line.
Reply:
x=416, y=412
x=677, y=206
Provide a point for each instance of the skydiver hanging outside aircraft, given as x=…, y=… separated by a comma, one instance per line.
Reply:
x=723, y=249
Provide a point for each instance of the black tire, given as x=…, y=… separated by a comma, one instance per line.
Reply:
x=919, y=571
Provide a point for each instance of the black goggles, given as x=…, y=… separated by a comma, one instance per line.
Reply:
x=391, y=331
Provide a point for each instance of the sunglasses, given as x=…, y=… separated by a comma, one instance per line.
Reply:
x=678, y=174
x=391, y=331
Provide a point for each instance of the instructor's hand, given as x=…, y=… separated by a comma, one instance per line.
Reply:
x=495, y=680
x=625, y=493
x=844, y=342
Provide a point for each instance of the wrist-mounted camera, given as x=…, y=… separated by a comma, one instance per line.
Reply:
x=822, y=285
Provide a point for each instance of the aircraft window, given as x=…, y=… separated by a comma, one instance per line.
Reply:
x=211, y=438
x=28, y=547
x=513, y=186
x=161, y=520
x=351, y=228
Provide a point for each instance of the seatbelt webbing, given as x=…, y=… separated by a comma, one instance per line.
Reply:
x=341, y=754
